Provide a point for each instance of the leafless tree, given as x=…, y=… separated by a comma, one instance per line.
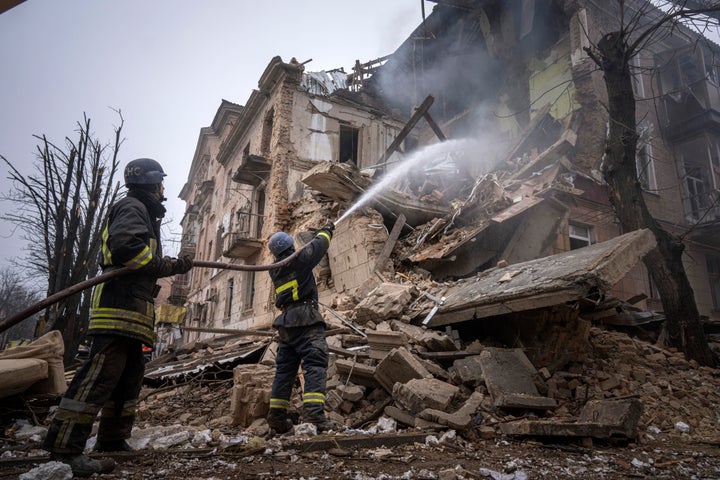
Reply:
x=641, y=23
x=16, y=296
x=61, y=209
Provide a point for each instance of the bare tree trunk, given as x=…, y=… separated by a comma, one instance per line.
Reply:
x=63, y=210
x=619, y=171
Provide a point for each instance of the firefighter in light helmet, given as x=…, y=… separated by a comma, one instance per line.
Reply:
x=301, y=331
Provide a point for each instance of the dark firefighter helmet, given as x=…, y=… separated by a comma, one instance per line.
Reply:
x=279, y=242
x=143, y=171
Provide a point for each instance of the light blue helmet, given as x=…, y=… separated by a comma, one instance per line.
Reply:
x=279, y=242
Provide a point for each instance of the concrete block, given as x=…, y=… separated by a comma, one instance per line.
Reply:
x=468, y=371
x=359, y=373
x=409, y=419
x=621, y=416
x=509, y=377
x=399, y=366
x=351, y=393
x=420, y=393
x=603, y=419
x=461, y=419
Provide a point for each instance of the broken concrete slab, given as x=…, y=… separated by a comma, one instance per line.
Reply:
x=381, y=343
x=341, y=182
x=544, y=282
x=421, y=393
x=468, y=371
x=602, y=419
x=386, y=302
x=399, y=366
x=461, y=419
x=409, y=419
x=510, y=379
x=359, y=373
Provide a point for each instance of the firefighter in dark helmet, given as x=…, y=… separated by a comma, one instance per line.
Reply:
x=121, y=322
x=301, y=331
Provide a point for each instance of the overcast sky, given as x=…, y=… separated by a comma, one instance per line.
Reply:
x=166, y=64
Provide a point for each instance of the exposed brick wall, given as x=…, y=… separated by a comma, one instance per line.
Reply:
x=355, y=249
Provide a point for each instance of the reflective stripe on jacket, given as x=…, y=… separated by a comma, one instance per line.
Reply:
x=124, y=305
x=295, y=285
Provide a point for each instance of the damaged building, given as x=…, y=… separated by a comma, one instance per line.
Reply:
x=475, y=253
x=496, y=112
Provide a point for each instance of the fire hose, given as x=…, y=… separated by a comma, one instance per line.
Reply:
x=78, y=287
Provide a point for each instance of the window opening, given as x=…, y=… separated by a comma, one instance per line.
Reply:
x=229, y=300
x=581, y=236
x=349, y=144
x=249, y=290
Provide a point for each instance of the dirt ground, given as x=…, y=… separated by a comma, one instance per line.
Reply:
x=667, y=457
x=678, y=434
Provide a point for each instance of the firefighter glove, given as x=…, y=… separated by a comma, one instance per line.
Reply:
x=182, y=264
x=162, y=267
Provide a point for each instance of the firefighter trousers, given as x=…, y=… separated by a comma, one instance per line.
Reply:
x=108, y=382
x=306, y=346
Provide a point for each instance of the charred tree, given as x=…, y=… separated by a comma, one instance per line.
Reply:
x=61, y=209
x=613, y=54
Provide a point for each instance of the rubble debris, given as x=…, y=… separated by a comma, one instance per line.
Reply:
x=544, y=282
x=599, y=419
x=511, y=379
x=399, y=366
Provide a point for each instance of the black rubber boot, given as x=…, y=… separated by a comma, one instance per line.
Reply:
x=315, y=414
x=113, y=446
x=279, y=420
x=84, y=466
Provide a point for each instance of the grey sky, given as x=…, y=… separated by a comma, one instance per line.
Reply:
x=166, y=64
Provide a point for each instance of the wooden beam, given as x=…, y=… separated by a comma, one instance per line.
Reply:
x=390, y=243
x=419, y=113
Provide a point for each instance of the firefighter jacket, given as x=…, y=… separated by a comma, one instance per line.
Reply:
x=131, y=238
x=295, y=287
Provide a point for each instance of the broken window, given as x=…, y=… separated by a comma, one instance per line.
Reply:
x=581, y=235
x=228, y=300
x=713, y=268
x=349, y=144
x=700, y=168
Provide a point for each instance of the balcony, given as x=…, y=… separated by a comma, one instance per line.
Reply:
x=253, y=170
x=204, y=191
x=241, y=245
x=691, y=110
x=179, y=291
